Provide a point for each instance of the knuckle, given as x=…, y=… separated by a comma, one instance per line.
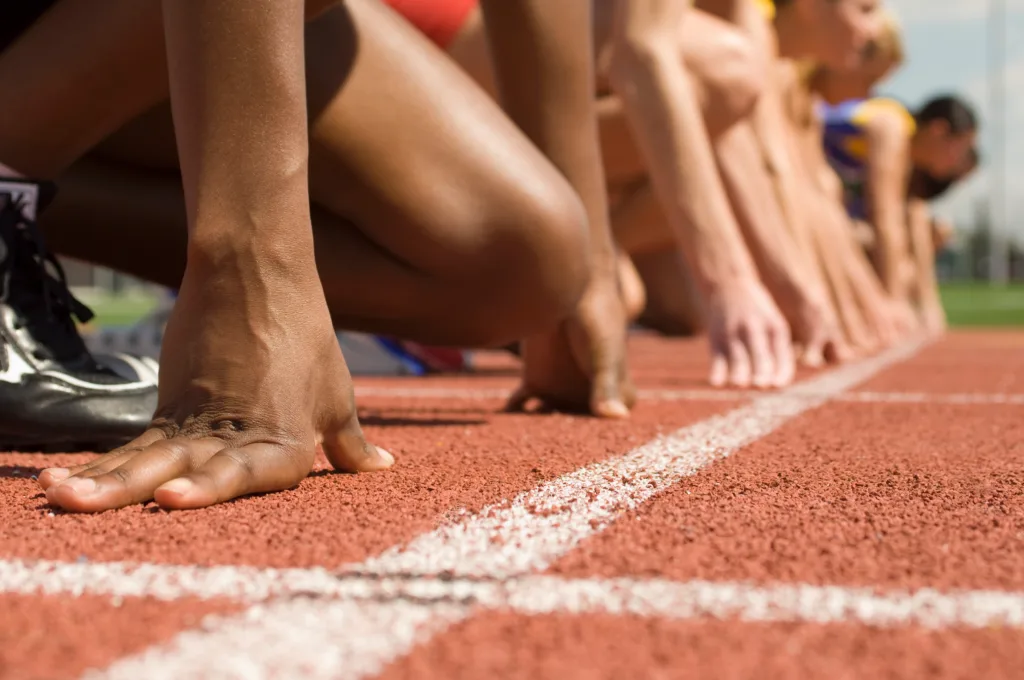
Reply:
x=242, y=462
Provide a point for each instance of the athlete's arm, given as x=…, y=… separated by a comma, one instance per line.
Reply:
x=926, y=286
x=749, y=338
x=648, y=74
x=888, y=159
x=543, y=61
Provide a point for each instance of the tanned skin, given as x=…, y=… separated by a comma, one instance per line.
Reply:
x=395, y=255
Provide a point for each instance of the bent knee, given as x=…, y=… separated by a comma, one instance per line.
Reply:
x=535, y=265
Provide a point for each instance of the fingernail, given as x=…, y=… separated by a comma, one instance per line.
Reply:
x=180, y=486
x=613, y=408
x=56, y=474
x=82, y=486
x=386, y=455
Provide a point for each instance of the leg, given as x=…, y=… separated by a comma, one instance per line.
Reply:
x=427, y=253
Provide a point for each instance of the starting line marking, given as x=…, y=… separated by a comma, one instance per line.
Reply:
x=349, y=637
x=477, y=394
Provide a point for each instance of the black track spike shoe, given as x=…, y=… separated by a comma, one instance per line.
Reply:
x=53, y=392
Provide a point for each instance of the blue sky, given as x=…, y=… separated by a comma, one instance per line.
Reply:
x=947, y=50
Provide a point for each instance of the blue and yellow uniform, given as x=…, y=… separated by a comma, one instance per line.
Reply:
x=846, y=144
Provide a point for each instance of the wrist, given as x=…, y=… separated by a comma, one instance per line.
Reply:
x=231, y=257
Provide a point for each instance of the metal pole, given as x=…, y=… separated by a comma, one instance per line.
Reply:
x=999, y=253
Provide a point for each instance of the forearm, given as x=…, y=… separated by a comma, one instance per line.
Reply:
x=783, y=264
x=923, y=249
x=785, y=166
x=891, y=248
x=544, y=66
x=238, y=96
x=666, y=119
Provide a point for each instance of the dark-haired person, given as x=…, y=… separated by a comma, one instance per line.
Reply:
x=434, y=215
x=926, y=187
x=875, y=144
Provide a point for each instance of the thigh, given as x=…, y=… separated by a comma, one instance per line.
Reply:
x=410, y=150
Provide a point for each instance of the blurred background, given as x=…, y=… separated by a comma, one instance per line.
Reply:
x=972, y=47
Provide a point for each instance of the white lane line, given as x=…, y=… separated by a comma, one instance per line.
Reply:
x=382, y=620
x=299, y=638
x=778, y=602
x=473, y=394
x=502, y=541
x=315, y=590
x=966, y=398
x=539, y=526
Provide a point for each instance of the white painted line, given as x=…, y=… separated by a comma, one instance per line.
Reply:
x=537, y=527
x=358, y=637
x=472, y=394
x=320, y=593
x=966, y=398
x=501, y=542
x=295, y=639
x=778, y=602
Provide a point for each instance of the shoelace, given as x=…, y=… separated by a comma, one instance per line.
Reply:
x=41, y=299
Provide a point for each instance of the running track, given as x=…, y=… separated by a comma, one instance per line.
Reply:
x=865, y=523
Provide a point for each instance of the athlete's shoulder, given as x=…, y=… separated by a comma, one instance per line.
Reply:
x=884, y=113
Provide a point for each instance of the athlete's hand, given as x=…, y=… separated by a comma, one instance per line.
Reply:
x=750, y=340
x=581, y=364
x=933, y=318
x=252, y=380
x=817, y=334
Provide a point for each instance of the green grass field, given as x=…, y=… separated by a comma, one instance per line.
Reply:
x=967, y=304
x=977, y=304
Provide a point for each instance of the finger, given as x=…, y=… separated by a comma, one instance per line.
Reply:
x=761, y=360
x=739, y=364
x=107, y=461
x=606, y=399
x=719, y=369
x=135, y=480
x=812, y=355
x=836, y=351
x=348, y=450
x=231, y=473
x=628, y=389
x=782, y=351
x=516, y=403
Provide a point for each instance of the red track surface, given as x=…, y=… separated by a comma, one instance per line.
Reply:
x=859, y=502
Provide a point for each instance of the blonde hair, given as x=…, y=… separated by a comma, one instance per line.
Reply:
x=889, y=43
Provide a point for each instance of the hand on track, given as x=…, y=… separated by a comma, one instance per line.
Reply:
x=252, y=380
x=581, y=364
x=750, y=339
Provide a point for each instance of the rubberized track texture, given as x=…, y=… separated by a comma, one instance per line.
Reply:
x=867, y=522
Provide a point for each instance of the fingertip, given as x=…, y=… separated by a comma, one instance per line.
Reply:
x=51, y=476
x=719, y=372
x=813, y=358
x=180, y=494
x=389, y=460
x=611, y=408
